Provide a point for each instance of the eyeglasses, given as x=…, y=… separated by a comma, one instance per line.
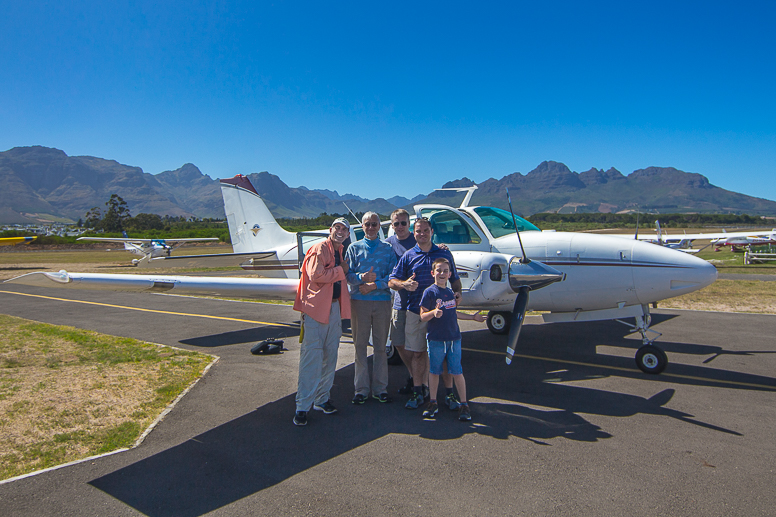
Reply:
x=371, y=225
x=399, y=223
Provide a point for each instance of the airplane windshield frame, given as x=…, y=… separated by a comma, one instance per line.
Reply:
x=499, y=221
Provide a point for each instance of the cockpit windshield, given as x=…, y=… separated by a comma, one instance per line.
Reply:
x=499, y=222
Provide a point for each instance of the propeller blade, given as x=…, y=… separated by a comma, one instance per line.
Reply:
x=518, y=315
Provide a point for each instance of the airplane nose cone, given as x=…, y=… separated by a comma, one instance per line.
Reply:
x=661, y=272
x=533, y=275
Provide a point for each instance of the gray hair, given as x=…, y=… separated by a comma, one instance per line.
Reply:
x=369, y=215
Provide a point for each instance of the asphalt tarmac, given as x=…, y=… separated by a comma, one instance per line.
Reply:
x=572, y=427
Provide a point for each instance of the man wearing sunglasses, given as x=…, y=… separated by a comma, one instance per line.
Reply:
x=413, y=275
x=370, y=262
x=401, y=241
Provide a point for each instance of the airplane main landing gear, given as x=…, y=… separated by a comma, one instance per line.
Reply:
x=649, y=358
x=499, y=322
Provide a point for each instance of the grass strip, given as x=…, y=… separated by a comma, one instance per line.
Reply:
x=68, y=394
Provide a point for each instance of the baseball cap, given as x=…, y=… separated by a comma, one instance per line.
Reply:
x=344, y=222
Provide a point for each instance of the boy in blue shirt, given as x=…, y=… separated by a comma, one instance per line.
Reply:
x=438, y=308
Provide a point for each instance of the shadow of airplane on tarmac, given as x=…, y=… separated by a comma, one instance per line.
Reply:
x=236, y=337
x=263, y=448
x=575, y=343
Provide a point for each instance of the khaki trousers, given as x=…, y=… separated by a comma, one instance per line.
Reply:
x=318, y=359
x=370, y=317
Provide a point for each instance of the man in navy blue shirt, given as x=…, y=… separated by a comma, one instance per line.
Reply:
x=413, y=274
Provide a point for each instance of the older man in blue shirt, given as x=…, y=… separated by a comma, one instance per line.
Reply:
x=370, y=262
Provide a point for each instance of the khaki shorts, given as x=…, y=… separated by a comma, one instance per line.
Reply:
x=415, y=333
x=398, y=322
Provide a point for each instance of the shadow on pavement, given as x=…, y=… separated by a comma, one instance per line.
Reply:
x=263, y=448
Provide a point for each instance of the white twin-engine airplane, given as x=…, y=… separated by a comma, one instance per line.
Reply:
x=148, y=248
x=571, y=276
x=684, y=241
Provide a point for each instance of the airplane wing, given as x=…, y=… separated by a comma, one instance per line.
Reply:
x=10, y=241
x=125, y=239
x=192, y=239
x=229, y=287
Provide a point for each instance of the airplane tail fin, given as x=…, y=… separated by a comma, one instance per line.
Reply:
x=659, y=232
x=252, y=227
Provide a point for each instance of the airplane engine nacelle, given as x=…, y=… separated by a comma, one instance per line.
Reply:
x=485, y=278
x=491, y=280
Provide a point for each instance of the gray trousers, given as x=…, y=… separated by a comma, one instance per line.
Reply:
x=318, y=359
x=370, y=317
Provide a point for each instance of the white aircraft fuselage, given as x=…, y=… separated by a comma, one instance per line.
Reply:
x=601, y=272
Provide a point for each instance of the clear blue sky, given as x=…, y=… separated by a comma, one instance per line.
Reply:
x=395, y=98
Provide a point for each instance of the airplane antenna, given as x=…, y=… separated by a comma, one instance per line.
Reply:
x=637, y=224
x=351, y=212
x=525, y=259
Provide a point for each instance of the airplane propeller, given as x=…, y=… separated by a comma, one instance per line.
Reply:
x=523, y=278
x=524, y=275
x=518, y=315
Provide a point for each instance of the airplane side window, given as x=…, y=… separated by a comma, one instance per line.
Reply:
x=450, y=228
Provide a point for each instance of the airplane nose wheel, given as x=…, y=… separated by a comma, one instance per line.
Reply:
x=392, y=354
x=650, y=359
x=498, y=322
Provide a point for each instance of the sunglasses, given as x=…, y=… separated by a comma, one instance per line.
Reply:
x=400, y=223
x=371, y=225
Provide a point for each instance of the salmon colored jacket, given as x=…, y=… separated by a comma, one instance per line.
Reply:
x=316, y=283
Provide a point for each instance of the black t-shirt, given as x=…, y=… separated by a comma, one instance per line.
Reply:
x=338, y=283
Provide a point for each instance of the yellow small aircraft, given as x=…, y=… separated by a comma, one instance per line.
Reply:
x=10, y=241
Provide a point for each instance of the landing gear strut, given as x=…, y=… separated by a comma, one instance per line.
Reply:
x=649, y=358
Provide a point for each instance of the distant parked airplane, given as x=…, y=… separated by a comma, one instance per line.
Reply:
x=148, y=248
x=683, y=241
x=11, y=241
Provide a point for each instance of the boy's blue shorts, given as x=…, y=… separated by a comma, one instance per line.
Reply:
x=439, y=350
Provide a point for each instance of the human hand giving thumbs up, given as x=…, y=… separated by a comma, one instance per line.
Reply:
x=369, y=276
x=410, y=284
x=438, y=311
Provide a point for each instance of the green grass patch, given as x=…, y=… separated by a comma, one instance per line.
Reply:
x=67, y=394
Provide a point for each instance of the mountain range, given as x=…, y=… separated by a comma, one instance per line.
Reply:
x=40, y=184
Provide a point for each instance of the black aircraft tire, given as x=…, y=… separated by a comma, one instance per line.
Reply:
x=650, y=359
x=499, y=322
x=393, y=356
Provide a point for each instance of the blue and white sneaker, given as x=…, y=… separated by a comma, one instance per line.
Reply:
x=431, y=409
x=327, y=408
x=415, y=401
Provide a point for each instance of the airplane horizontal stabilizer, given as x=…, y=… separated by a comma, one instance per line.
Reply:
x=209, y=260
